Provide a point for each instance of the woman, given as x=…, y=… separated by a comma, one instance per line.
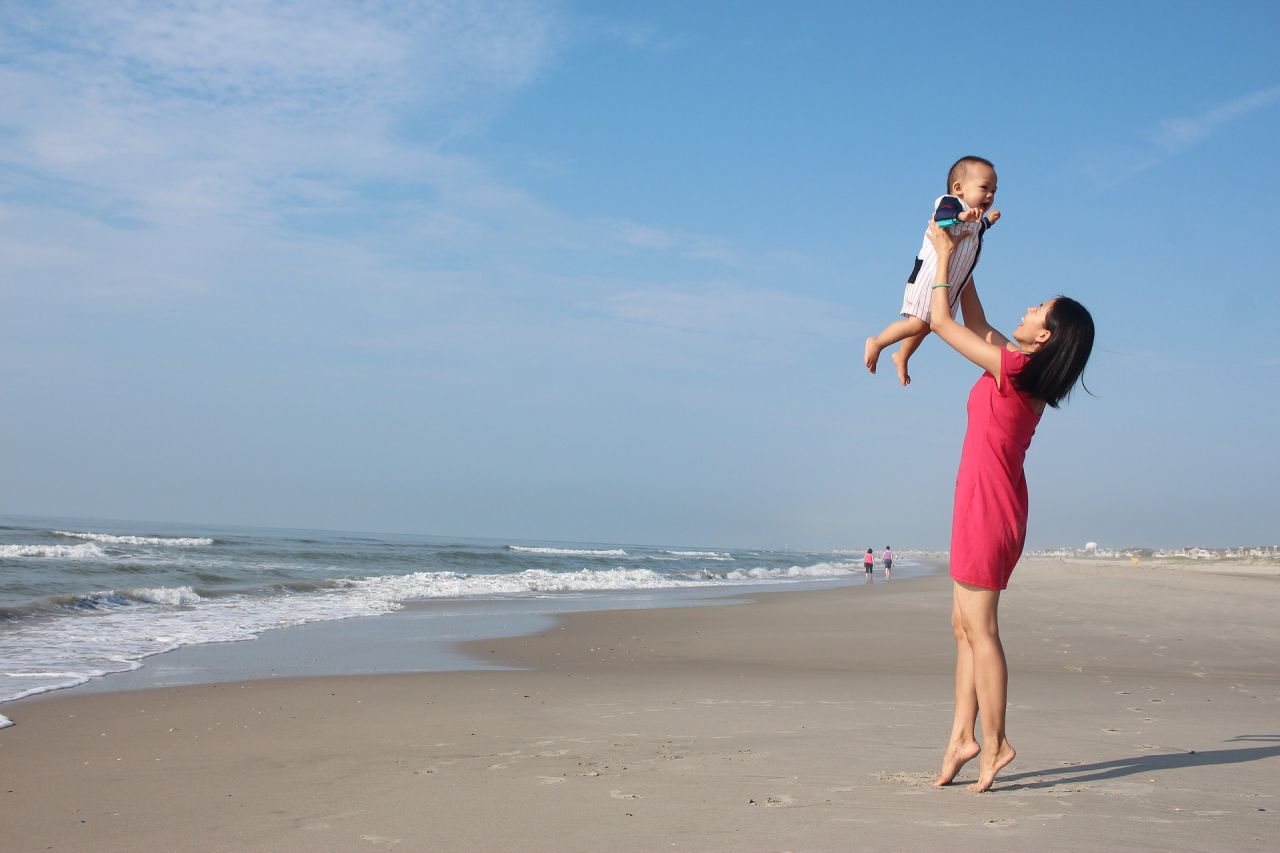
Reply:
x=1038, y=368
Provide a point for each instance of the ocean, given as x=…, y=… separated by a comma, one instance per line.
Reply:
x=84, y=599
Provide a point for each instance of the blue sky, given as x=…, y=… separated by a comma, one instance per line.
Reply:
x=602, y=271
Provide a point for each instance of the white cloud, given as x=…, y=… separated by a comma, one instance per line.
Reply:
x=131, y=91
x=316, y=54
x=253, y=157
x=207, y=123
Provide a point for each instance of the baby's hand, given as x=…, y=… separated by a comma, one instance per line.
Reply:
x=970, y=215
x=993, y=216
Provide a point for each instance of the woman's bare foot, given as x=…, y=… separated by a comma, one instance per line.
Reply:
x=871, y=354
x=956, y=756
x=901, y=364
x=987, y=774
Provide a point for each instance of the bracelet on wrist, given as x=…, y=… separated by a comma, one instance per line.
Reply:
x=936, y=286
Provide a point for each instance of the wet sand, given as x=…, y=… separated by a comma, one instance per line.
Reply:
x=1145, y=707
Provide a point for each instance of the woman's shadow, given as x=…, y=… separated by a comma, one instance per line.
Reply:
x=1117, y=768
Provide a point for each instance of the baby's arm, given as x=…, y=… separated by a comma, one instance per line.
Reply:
x=949, y=211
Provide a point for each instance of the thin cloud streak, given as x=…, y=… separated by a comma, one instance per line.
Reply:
x=1177, y=135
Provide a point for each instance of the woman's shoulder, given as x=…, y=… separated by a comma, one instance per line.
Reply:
x=1012, y=362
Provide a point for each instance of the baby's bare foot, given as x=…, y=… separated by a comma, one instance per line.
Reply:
x=901, y=362
x=871, y=355
x=987, y=772
x=956, y=756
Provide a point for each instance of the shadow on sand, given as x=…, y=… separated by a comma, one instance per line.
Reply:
x=1075, y=773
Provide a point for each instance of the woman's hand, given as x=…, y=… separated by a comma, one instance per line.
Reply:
x=943, y=240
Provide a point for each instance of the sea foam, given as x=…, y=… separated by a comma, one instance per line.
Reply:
x=87, y=551
x=706, y=555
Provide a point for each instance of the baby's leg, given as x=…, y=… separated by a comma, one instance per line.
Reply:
x=896, y=331
x=903, y=355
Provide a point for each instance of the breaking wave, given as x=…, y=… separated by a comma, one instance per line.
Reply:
x=569, y=552
x=113, y=539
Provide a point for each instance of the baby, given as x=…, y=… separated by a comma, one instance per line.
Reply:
x=971, y=187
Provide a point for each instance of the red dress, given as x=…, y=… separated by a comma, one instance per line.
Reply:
x=989, y=523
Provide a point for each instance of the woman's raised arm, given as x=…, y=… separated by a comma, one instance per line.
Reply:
x=976, y=319
x=963, y=340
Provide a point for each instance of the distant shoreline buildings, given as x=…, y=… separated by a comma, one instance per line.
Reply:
x=1093, y=549
x=1190, y=552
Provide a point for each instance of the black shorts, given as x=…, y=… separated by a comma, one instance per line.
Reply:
x=868, y=567
x=888, y=564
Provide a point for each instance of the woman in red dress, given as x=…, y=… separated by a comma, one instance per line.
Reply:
x=1038, y=368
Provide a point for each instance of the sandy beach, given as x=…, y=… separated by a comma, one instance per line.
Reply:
x=1144, y=704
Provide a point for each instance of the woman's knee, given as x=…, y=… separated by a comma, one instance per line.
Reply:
x=979, y=628
x=977, y=608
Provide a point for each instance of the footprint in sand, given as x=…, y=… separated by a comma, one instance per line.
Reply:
x=1000, y=822
x=910, y=779
x=774, y=801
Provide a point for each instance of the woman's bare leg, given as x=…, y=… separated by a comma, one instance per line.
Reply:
x=962, y=746
x=978, y=607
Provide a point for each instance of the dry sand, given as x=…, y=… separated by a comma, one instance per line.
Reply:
x=1145, y=707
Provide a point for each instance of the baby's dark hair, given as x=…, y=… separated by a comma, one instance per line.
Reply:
x=959, y=167
x=1052, y=371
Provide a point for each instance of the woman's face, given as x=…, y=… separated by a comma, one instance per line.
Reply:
x=1031, y=330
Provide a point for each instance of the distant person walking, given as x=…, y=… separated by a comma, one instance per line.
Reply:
x=869, y=562
x=1038, y=368
x=888, y=562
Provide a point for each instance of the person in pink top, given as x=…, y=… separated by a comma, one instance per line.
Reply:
x=1038, y=368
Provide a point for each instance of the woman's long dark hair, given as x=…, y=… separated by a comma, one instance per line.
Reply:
x=1052, y=371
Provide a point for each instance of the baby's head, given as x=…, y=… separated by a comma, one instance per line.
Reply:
x=973, y=181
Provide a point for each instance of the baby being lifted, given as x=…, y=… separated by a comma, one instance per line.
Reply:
x=966, y=209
